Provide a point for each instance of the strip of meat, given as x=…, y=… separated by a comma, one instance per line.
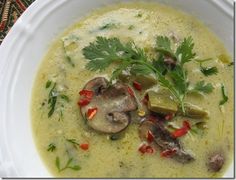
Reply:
x=164, y=140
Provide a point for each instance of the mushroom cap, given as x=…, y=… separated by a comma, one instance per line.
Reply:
x=114, y=104
x=215, y=162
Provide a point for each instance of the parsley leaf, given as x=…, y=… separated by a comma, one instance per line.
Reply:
x=179, y=75
x=224, y=95
x=185, y=52
x=164, y=46
x=208, y=71
x=203, y=87
x=160, y=65
x=139, y=69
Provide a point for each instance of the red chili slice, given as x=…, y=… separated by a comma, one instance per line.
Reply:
x=145, y=99
x=186, y=125
x=153, y=119
x=168, y=117
x=84, y=146
x=146, y=149
x=83, y=102
x=168, y=152
x=182, y=131
x=86, y=93
x=130, y=91
x=149, y=150
x=179, y=132
x=91, y=113
x=137, y=86
x=87, y=96
x=142, y=148
x=150, y=136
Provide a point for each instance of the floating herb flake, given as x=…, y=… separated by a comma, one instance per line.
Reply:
x=67, y=166
x=224, y=95
x=51, y=147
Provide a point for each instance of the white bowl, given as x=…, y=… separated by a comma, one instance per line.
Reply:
x=23, y=49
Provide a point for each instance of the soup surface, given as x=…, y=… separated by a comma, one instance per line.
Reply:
x=69, y=142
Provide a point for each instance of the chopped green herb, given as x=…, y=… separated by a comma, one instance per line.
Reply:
x=43, y=104
x=203, y=87
x=105, y=51
x=48, y=84
x=108, y=26
x=114, y=137
x=231, y=64
x=208, y=71
x=67, y=166
x=131, y=27
x=52, y=100
x=51, y=147
x=73, y=141
x=64, y=97
x=61, y=116
x=224, y=95
x=139, y=15
x=199, y=128
x=69, y=60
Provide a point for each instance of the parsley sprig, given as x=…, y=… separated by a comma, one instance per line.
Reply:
x=106, y=51
x=68, y=165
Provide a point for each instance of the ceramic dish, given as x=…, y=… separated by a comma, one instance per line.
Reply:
x=23, y=49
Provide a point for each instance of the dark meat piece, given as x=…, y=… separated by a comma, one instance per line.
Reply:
x=216, y=162
x=164, y=140
x=114, y=105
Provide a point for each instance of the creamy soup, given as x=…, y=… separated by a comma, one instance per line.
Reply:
x=166, y=112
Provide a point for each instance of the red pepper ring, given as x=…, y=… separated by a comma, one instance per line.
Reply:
x=84, y=146
x=168, y=117
x=83, y=102
x=182, y=131
x=91, y=113
x=137, y=86
x=130, y=91
x=145, y=99
x=150, y=136
x=86, y=93
x=146, y=149
x=168, y=152
x=186, y=125
x=87, y=96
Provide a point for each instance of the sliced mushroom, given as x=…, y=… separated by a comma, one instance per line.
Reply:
x=164, y=140
x=215, y=162
x=114, y=105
